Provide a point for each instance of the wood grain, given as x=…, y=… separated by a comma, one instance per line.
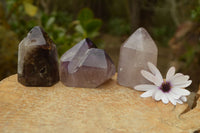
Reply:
x=111, y=108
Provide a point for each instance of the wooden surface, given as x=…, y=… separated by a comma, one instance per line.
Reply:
x=108, y=109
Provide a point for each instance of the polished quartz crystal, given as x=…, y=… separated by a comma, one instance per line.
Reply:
x=136, y=51
x=37, y=59
x=84, y=65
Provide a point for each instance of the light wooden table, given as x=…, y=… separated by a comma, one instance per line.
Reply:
x=108, y=109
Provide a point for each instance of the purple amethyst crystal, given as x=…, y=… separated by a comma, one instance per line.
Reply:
x=84, y=65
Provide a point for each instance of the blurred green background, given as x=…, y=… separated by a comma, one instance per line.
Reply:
x=173, y=24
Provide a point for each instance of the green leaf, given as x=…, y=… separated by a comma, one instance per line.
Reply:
x=50, y=21
x=85, y=15
x=63, y=48
x=188, y=56
x=92, y=34
x=79, y=29
x=93, y=25
x=28, y=1
x=30, y=9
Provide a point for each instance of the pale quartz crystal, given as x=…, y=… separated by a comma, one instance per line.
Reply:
x=136, y=51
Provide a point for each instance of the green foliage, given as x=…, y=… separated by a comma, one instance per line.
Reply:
x=19, y=17
x=162, y=34
x=190, y=55
x=85, y=15
x=118, y=26
x=87, y=25
x=30, y=9
x=195, y=14
x=8, y=52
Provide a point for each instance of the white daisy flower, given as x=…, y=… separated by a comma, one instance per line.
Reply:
x=168, y=90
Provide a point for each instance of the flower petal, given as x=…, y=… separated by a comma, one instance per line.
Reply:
x=170, y=73
x=171, y=99
x=187, y=77
x=175, y=76
x=186, y=84
x=151, y=77
x=147, y=93
x=155, y=71
x=182, y=92
x=179, y=80
x=145, y=87
x=165, y=100
x=184, y=99
x=179, y=101
x=158, y=95
x=174, y=95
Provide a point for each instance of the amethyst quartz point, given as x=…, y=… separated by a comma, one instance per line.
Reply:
x=136, y=51
x=37, y=59
x=84, y=65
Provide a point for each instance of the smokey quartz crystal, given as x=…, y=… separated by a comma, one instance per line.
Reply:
x=37, y=59
x=84, y=65
x=136, y=51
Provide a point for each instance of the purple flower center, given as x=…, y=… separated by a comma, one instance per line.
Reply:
x=165, y=87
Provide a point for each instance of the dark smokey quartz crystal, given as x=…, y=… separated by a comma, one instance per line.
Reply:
x=37, y=59
x=85, y=66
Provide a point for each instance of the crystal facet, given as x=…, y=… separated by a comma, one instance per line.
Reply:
x=84, y=65
x=136, y=51
x=37, y=59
